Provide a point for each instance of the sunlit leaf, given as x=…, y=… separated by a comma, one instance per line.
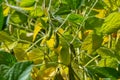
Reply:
x=20, y=54
x=108, y=61
x=37, y=12
x=37, y=28
x=91, y=42
x=26, y=3
x=65, y=56
x=105, y=52
x=111, y=23
x=36, y=55
x=18, y=18
x=5, y=37
x=75, y=18
x=6, y=11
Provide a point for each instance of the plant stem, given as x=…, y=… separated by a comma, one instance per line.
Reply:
x=91, y=60
x=34, y=44
x=86, y=16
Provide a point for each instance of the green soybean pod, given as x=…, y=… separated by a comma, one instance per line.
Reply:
x=49, y=33
x=56, y=40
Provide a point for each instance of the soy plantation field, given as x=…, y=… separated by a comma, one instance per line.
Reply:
x=59, y=39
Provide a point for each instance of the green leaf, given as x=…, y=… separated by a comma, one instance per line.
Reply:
x=7, y=58
x=91, y=42
x=19, y=71
x=5, y=37
x=105, y=52
x=1, y=16
x=37, y=12
x=71, y=73
x=93, y=23
x=65, y=56
x=26, y=3
x=99, y=5
x=74, y=4
x=3, y=71
x=104, y=72
x=18, y=18
x=63, y=10
x=108, y=61
x=119, y=68
x=117, y=45
x=75, y=18
x=111, y=23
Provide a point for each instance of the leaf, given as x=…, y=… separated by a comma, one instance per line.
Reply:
x=65, y=56
x=37, y=28
x=18, y=18
x=5, y=37
x=75, y=18
x=105, y=52
x=119, y=69
x=101, y=14
x=1, y=16
x=36, y=55
x=93, y=23
x=26, y=3
x=19, y=71
x=58, y=76
x=108, y=61
x=3, y=71
x=117, y=47
x=111, y=23
x=112, y=4
x=91, y=42
x=74, y=4
x=37, y=12
x=99, y=5
x=7, y=58
x=46, y=73
x=20, y=53
x=104, y=72
x=63, y=10
x=6, y=11
x=71, y=74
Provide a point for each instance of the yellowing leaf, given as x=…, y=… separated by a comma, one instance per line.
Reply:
x=36, y=12
x=51, y=42
x=20, y=54
x=91, y=42
x=112, y=4
x=111, y=23
x=37, y=28
x=28, y=8
x=60, y=30
x=36, y=55
x=45, y=19
x=105, y=40
x=101, y=14
x=47, y=73
x=6, y=11
x=27, y=3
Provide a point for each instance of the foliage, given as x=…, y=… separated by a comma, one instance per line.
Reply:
x=59, y=40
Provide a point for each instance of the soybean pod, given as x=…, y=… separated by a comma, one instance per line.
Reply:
x=56, y=40
x=49, y=33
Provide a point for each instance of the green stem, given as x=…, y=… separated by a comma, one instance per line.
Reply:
x=34, y=44
x=82, y=24
x=91, y=60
